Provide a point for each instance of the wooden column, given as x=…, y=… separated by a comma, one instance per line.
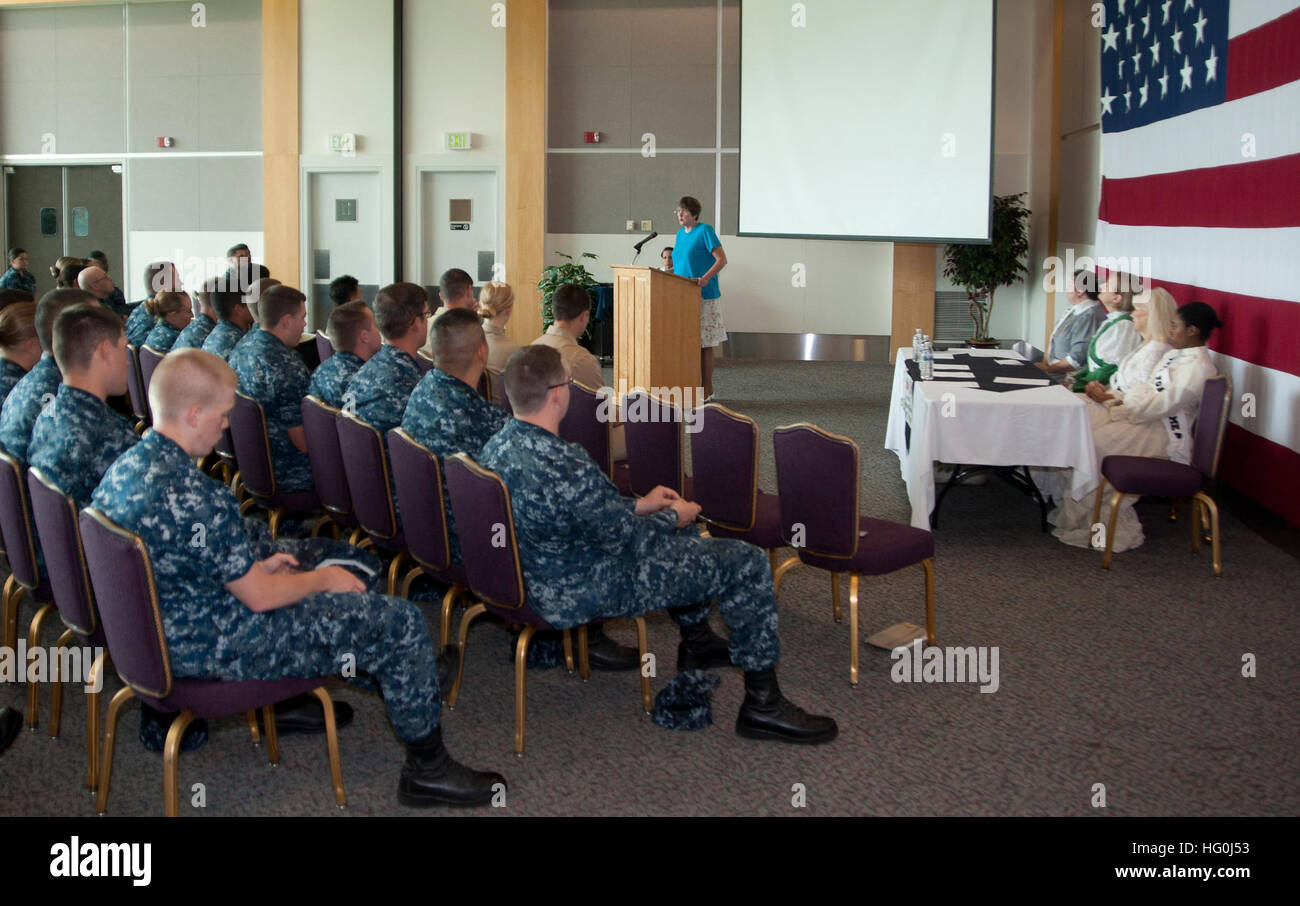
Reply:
x=526, y=25
x=280, y=139
x=913, y=293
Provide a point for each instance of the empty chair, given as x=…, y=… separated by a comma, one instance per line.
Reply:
x=817, y=476
x=365, y=462
x=724, y=455
x=497, y=388
x=25, y=573
x=253, y=450
x=121, y=576
x=318, y=423
x=654, y=430
x=149, y=359
x=324, y=348
x=135, y=390
x=55, y=516
x=586, y=422
x=481, y=503
x=417, y=476
x=1166, y=478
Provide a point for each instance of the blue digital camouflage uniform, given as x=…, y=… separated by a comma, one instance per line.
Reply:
x=13, y=279
x=330, y=380
x=117, y=302
x=276, y=376
x=10, y=374
x=24, y=403
x=197, y=541
x=76, y=438
x=587, y=555
x=448, y=416
x=138, y=324
x=381, y=387
x=162, y=337
x=223, y=339
x=195, y=333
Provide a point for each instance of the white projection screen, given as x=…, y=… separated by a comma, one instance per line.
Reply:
x=866, y=119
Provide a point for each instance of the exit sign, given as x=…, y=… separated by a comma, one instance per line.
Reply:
x=458, y=141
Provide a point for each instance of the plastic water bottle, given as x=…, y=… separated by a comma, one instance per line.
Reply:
x=927, y=359
x=916, y=345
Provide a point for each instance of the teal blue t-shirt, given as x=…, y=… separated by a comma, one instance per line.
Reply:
x=693, y=256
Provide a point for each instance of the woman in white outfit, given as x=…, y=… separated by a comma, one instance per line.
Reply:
x=1151, y=418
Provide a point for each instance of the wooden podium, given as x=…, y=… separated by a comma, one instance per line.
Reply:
x=656, y=329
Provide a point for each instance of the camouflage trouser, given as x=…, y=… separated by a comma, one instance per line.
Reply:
x=324, y=634
x=685, y=573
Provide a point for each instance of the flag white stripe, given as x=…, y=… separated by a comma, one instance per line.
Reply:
x=1221, y=136
x=1263, y=263
x=1276, y=395
x=1245, y=15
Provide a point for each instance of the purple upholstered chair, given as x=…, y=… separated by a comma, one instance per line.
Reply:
x=365, y=462
x=417, y=475
x=25, y=575
x=1146, y=475
x=121, y=575
x=481, y=502
x=654, y=445
x=484, y=387
x=324, y=348
x=497, y=389
x=318, y=423
x=425, y=363
x=55, y=516
x=724, y=455
x=582, y=424
x=817, y=476
x=228, y=464
x=135, y=390
x=149, y=359
x=253, y=450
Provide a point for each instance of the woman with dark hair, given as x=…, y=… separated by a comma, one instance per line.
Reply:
x=698, y=255
x=1152, y=419
x=17, y=276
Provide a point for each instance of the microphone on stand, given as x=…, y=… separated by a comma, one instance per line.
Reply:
x=637, y=247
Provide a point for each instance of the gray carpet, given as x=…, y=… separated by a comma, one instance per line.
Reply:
x=1129, y=678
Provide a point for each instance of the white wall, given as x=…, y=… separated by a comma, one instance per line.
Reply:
x=197, y=254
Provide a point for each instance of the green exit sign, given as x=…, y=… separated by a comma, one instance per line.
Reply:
x=458, y=141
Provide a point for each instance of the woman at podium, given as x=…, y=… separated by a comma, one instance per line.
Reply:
x=698, y=255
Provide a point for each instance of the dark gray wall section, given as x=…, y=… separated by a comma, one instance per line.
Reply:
x=627, y=68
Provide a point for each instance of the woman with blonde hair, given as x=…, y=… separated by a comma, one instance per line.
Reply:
x=496, y=302
x=19, y=347
x=173, y=312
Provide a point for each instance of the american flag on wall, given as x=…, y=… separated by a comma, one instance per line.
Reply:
x=1200, y=118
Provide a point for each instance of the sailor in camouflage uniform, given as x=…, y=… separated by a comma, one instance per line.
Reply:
x=233, y=321
x=271, y=371
x=173, y=313
x=588, y=553
x=379, y=390
x=196, y=332
x=230, y=611
x=77, y=436
x=18, y=343
x=39, y=386
x=355, y=338
x=10, y=374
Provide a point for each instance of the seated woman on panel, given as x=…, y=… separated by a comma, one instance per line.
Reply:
x=1116, y=337
x=1153, y=418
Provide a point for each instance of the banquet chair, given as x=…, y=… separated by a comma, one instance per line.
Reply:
x=425, y=363
x=149, y=359
x=818, y=485
x=724, y=454
x=324, y=348
x=497, y=386
x=583, y=425
x=1147, y=475
x=55, y=517
x=253, y=450
x=318, y=423
x=481, y=503
x=365, y=463
x=121, y=576
x=135, y=390
x=654, y=445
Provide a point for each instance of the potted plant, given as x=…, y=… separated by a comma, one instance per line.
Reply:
x=981, y=269
x=556, y=275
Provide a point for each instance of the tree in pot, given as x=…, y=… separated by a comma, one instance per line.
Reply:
x=556, y=275
x=981, y=269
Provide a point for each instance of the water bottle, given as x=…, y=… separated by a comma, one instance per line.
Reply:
x=916, y=345
x=927, y=359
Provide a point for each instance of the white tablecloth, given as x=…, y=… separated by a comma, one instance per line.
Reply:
x=1039, y=426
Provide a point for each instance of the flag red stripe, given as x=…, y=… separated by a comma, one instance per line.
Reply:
x=1263, y=471
x=1264, y=332
x=1256, y=194
x=1264, y=57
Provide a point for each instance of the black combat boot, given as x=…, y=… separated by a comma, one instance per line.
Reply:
x=767, y=714
x=603, y=653
x=702, y=648
x=431, y=777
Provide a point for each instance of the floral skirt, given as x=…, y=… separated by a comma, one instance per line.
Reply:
x=712, y=333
